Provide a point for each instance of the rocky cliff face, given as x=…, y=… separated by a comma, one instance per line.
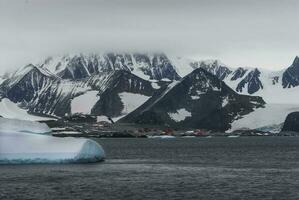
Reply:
x=214, y=67
x=238, y=73
x=292, y=122
x=251, y=83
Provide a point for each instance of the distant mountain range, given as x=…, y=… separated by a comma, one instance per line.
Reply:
x=150, y=89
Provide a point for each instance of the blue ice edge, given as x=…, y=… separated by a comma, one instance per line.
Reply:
x=90, y=152
x=27, y=142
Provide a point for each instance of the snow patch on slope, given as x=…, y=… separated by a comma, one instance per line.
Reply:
x=155, y=85
x=180, y=115
x=84, y=103
x=195, y=97
x=132, y=101
x=140, y=74
x=225, y=101
x=103, y=118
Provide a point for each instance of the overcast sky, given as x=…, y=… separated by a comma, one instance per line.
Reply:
x=258, y=33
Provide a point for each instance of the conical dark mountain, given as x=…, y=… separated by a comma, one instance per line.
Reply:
x=200, y=100
x=24, y=83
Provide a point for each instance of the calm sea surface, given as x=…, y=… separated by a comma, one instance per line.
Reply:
x=190, y=168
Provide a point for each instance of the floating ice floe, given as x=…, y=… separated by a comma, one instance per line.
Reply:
x=31, y=146
x=162, y=136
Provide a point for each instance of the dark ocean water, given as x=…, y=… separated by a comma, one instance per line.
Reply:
x=193, y=168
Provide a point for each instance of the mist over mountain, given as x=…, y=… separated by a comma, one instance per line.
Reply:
x=252, y=33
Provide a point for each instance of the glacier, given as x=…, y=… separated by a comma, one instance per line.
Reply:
x=32, y=146
x=272, y=115
x=9, y=109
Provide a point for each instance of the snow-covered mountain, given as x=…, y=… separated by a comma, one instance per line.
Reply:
x=41, y=91
x=274, y=86
x=147, y=66
x=115, y=84
x=279, y=89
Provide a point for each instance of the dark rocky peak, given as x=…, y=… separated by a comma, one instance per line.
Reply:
x=119, y=61
x=203, y=81
x=215, y=67
x=251, y=83
x=25, y=83
x=75, y=69
x=296, y=61
x=156, y=66
x=124, y=81
x=290, y=77
x=28, y=72
x=24, y=70
x=238, y=73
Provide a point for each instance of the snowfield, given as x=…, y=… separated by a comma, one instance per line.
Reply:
x=22, y=142
x=84, y=103
x=272, y=114
x=131, y=101
x=103, y=118
x=271, y=93
x=9, y=109
x=279, y=102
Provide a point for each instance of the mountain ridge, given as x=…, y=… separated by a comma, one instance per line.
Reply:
x=51, y=86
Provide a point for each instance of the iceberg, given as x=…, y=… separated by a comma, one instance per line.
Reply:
x=27, y=144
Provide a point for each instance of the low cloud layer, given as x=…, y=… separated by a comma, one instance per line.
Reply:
x=238, y=32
